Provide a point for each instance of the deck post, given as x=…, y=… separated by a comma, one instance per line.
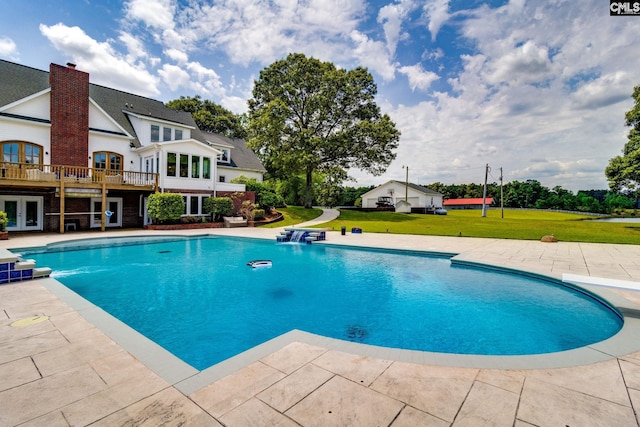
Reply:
x=103, y=214
x=61, y=200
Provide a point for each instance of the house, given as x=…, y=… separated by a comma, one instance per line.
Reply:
x=236, y=159
x=76, y=155
x=470, y=203
x=421, y=199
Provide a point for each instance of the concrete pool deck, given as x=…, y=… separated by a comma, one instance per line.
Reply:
x=65, y=367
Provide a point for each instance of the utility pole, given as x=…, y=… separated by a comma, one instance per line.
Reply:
x=484, y=192
x=501, y=195
x=406, y=185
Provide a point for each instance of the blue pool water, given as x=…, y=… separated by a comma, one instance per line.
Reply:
x=198, y=299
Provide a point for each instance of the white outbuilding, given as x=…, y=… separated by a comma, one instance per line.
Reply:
x=417, y=196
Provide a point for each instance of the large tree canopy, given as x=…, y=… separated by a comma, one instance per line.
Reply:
x=623, y=172
x=211, y=117
x=308, y=116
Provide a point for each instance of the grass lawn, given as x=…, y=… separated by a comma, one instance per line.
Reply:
x=516, y=224
x=294, y=215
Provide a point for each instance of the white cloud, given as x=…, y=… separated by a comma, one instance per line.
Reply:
x=526, y=63
x=606, y=90
x=8, y=48
x=174, y=77
x=106, y=66
x=373, y=55
x=437, y=12
x=177, y=55
x=418, y=77
x=392, y=17
x=135, y=48
x=153, y=13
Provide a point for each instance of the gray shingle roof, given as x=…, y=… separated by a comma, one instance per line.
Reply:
x=241, y=156
x=420, y=188
x=18, y=81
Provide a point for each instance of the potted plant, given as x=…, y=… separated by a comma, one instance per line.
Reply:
x=247, y=210
x=4, y=220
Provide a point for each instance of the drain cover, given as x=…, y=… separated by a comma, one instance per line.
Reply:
x=356, y=332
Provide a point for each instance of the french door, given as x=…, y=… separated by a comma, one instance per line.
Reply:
x=24, y=212
x=112, y=212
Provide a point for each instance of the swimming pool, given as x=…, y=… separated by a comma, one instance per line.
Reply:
x=197, y=298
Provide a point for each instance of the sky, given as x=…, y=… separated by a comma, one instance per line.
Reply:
x=535, y=89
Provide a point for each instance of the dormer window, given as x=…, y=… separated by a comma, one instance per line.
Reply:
x=224, y=157
x=155, y=133
x=178, y=134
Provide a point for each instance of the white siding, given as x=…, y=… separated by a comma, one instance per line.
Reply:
x=225, y=186
x=20, y=130
x=114, y=144
x=143, y=130
x=397, y=192
x=37, y=107
x=187, y=148
x=100, y=120
x=231, y=173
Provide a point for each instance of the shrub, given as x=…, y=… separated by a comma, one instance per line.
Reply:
x=270, y=200
x=218, y=207
x=258, y=214
x=164, y=207
x=4, y=220
x=190, y=219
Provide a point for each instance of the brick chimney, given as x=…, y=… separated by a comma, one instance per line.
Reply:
x=69, y=109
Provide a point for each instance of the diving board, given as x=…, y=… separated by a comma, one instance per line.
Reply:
x=600, y=281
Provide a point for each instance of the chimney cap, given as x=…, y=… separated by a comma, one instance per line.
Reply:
x=71, y=65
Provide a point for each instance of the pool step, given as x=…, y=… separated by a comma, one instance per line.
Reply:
x=39, y=272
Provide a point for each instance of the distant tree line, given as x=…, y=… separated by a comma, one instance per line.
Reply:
x=530, y=194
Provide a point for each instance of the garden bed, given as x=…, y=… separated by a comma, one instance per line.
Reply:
x=191, y=226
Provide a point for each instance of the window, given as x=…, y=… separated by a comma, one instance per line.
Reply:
x=32, y=154
x=11, y=152
x=178, y=134
x=166, y=134
x=221, y=178
x=195, y=166
x=206, y=168
x=21, y=152
x=184, y=166
x=224, y=157
x=107, y=160
x=171, y=164
x=194, y=205
x=155, y=133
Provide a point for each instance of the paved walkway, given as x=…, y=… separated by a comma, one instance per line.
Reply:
x=59, y=369
x=327, y=215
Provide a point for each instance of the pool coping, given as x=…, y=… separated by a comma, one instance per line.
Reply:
x=188, y=379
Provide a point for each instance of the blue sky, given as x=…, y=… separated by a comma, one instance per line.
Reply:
x=537, y=88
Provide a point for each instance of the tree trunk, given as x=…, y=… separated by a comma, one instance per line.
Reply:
x=308, y=199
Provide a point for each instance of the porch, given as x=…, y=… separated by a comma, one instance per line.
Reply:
x=73, y=182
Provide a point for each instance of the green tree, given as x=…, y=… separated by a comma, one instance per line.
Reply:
x=211, y=117
x=308, y=116
x=623, y=172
